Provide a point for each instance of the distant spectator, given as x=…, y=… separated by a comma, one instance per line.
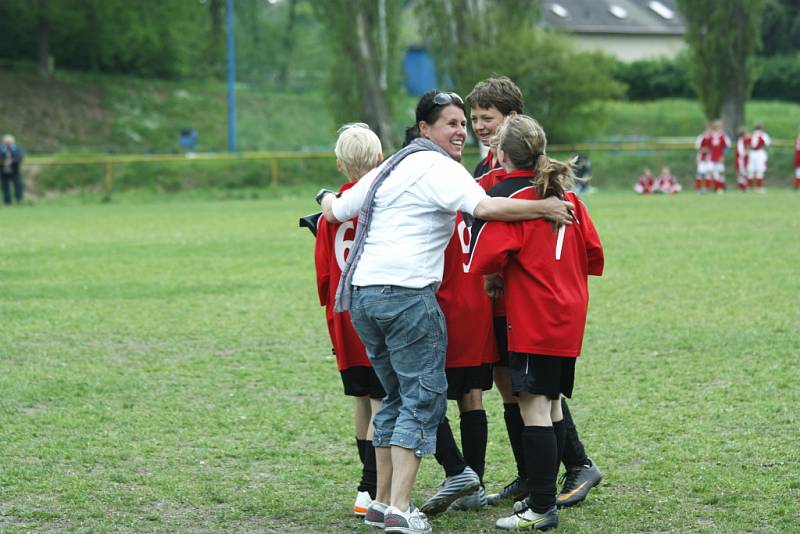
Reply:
x=666, y=183
x=757, y=163
x=11, y=157
x=797, y=163
x=740, y=158
x=646, y=182
x=583, y=174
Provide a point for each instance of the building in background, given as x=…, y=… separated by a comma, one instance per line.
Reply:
x=627, y=29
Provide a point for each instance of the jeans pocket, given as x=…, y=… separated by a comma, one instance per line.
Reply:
x=432, y=401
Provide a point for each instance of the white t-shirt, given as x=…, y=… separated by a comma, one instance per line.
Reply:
x=412, y=219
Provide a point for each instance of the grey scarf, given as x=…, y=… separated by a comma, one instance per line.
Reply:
x=344, y=293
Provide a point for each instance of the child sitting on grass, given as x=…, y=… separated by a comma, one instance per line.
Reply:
x=646, y=184
x=666, y=183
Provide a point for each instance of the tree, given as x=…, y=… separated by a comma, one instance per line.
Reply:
x=780, y=27
x=43, y=37
x=723, y=36
x=456, y=30
x=216, y=45
x=565, y=90
x=355, y=30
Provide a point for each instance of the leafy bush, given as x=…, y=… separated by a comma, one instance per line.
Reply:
x=565, y=90
x=651, y=79
x=778, y=78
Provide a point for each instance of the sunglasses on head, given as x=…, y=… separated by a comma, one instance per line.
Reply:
x=442, y=99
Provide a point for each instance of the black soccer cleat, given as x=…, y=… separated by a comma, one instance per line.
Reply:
x=578, y=480
x=514, y=491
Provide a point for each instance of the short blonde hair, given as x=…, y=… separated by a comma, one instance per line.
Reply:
x=358, y=149
x=8, y=138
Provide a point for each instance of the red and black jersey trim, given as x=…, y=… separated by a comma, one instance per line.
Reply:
x=485, y=165
x=507, y=188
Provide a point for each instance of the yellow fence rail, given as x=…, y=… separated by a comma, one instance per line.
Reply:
x=109, y=161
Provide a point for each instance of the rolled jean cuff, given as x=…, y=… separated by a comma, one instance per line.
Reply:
x=382, y=440
x=420, y=446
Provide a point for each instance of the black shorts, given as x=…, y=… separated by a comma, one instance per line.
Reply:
x=360, y=381
x=551, y=376
x=461, y=380
x=501, y=339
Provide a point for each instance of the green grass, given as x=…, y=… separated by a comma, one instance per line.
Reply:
x=89, y=114
x=681, y=117
x=164, y=367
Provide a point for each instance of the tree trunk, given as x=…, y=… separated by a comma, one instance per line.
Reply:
x=375, y=108
x=736, y=86
x=43, y=38
x=733, y=113
x=288, y=46
x=216, y=42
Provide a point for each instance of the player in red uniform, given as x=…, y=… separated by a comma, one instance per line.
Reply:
x=797, y=163
x=757, y=162
x=546, y=290
x=491, y=101
x=666, y=183
x=740, y=158
x=468, y=366
x=702, y=174
x=718, y=143
x=645, y=184
x=358, y=150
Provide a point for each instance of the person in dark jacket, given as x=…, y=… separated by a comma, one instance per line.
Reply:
x=10, y=159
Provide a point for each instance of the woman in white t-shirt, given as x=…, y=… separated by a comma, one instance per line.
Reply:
x=396, y=269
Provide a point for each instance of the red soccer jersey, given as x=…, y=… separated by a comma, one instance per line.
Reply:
x=545, y=274
x=487, y=181
x=665, y=184
x=466, y=306
x=647, y=182
x=485, y=165
x=718, y=142
x=701, y=144
x=740, y=156
x=797, y=152
x=330, y=253
x=491, y=178
x=759, y=140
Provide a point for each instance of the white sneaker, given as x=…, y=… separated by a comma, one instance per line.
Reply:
x=363, y=500
x=529, y=519
x=376, y=514
x=410, y=522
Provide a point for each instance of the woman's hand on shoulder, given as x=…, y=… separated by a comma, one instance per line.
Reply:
x=557, y=211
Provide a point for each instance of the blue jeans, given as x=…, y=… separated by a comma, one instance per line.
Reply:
x=6, y=180
x=404, y=332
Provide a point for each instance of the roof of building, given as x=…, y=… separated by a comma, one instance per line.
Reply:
x=614, y=16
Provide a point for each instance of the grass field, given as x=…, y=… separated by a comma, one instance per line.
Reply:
x=164, y=367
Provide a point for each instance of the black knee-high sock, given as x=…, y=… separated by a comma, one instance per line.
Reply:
x=369, y=472
x=560, y=430
x=514, y=426
x=360, y=443
x=573, y=448
x=540, y=457
x=447, y=453
x=474, y=435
